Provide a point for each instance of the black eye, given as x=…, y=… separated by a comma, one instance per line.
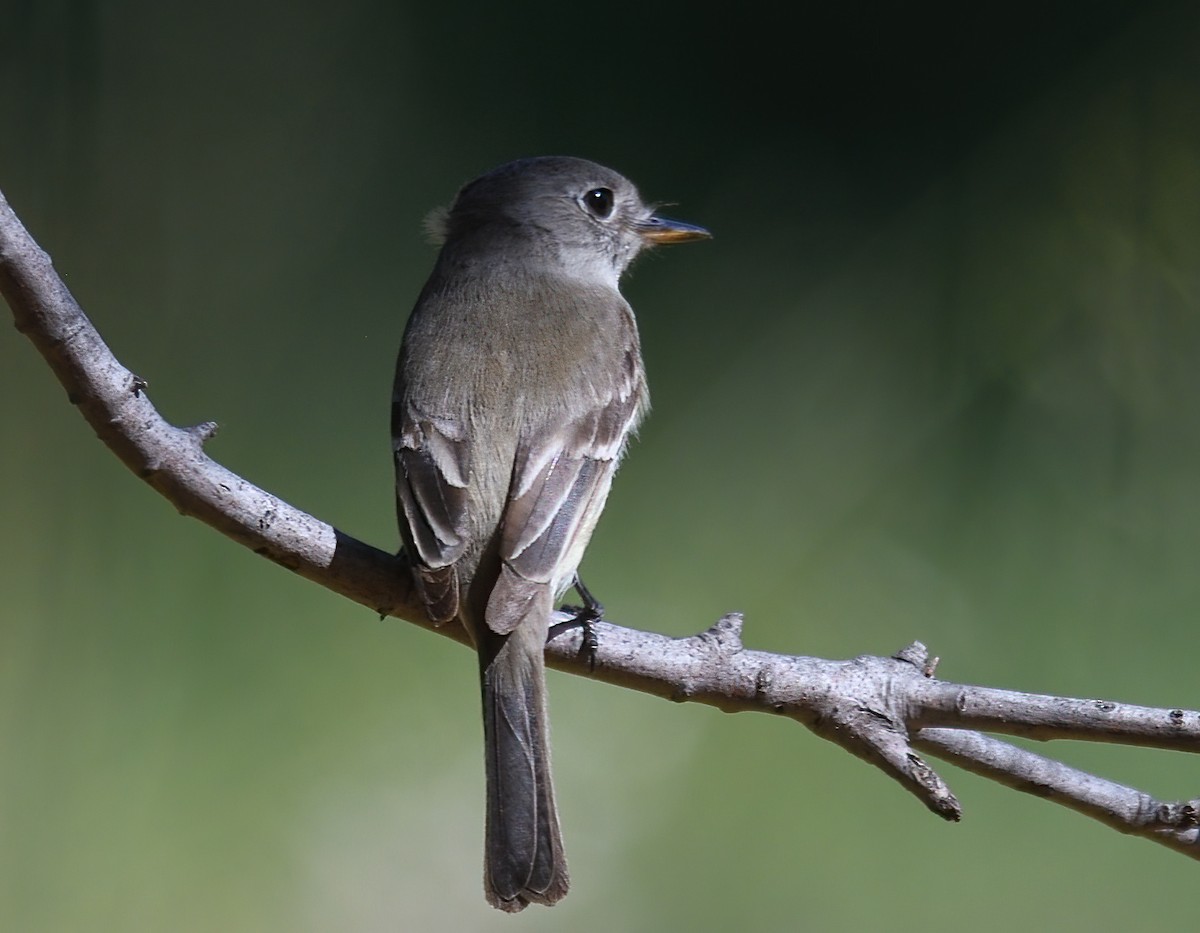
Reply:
x=599, y=201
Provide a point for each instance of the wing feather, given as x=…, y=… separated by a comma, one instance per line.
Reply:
x=560, y=483
x=432, y=463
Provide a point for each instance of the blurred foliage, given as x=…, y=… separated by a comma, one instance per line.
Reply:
x=935, y=378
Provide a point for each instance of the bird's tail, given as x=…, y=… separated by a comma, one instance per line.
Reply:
x=523, y=851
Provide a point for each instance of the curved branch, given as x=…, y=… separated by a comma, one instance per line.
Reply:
x=880, y=709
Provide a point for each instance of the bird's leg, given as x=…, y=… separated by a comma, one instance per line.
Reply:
x=584, y=616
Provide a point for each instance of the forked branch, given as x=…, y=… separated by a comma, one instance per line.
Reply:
x=883, y=709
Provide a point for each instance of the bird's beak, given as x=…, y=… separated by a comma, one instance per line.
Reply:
x=662, y=230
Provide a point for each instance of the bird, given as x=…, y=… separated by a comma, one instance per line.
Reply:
x=518, y=385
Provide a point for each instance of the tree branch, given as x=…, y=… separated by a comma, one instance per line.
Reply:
x=880, y=709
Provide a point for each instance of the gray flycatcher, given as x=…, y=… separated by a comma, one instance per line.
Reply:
x=519, y=381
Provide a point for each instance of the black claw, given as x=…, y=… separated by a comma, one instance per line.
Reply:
x=584, y=616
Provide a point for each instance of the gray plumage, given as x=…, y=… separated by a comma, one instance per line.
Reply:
x=519, y=382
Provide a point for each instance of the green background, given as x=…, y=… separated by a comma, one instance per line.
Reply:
x=935, y=378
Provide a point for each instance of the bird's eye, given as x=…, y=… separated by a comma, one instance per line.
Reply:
x=600, y=202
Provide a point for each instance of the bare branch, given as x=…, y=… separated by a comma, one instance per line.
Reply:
x=880, y=709
x=1175, y=824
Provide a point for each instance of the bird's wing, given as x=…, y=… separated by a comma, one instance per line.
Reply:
x=432, y=465
x=561, y=479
